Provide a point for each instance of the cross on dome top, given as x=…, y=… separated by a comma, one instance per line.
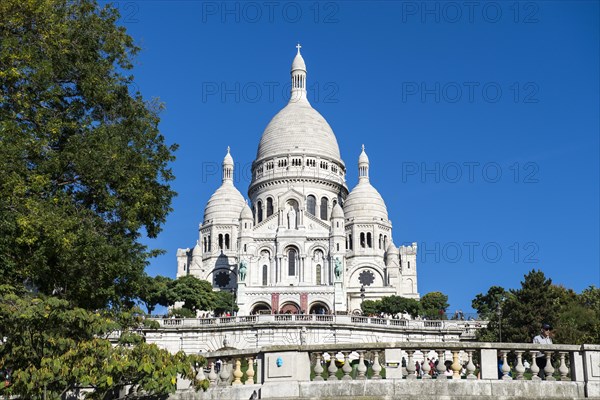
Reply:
x=298, y=46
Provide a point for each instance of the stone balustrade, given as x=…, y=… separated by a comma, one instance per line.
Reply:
x=317, y=318
x=388, y=370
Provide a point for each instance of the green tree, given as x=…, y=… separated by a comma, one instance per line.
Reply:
x=487, y=305
x=53, y=348
x=397, y=304
x=536, y=302
x=224, y=302
x=84, y=166
x=154, y=291
x=195, y=294
x=370, y=307
x=434, y=305
x=578, y=320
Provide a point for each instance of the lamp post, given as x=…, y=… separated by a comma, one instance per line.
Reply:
x=232, y=300
x=362, y=294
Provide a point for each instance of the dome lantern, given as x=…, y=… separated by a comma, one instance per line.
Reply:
x=228, y=167
x=298, y=77
x=363, y=166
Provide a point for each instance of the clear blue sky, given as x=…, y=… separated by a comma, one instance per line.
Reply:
x=481, y=123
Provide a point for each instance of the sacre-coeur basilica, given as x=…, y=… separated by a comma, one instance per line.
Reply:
x=303, y=242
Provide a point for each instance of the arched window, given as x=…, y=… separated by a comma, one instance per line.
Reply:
x=324, y=204
x=265, y=270
x=259, y=212
x=318, y=277
x=292, y=262
x=380, y=241
x=334, y=202
x=311, y=205
x=385, y=242
x=362, y=240
x=204, y=241
x=350, y=241
x=245, y=248
x=269, y=207
x=227, y=241
x=220, y=241
x=369, y=243
x=209, y=243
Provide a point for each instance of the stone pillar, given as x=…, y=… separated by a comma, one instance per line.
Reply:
x=489, y=364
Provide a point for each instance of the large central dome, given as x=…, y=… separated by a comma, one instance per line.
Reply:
x=298, y=128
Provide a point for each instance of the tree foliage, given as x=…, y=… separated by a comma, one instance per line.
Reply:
x=224, y=302
x=400, y=305
x=520, y=313
x=195, y=294
x=393, y=305
x=54, y=348
x=84, y=166
x=154, y=291
x=434, y=305
x=370, y=307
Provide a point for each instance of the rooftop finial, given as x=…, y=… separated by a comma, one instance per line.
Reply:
x=298, y=47
x=229, y=149
x=363, y=147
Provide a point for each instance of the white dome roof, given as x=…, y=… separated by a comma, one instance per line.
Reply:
x=365, y=202
x=225, y=205
x=246, y=212
x=298, y=63
x=298, y=128
x=337, y=211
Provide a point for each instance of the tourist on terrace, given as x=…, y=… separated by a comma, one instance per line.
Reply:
x=542, y=338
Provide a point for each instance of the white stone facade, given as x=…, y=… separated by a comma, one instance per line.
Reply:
x=303, y=243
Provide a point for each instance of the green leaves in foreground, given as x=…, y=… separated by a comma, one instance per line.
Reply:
x=84, y=169
x=54, y=347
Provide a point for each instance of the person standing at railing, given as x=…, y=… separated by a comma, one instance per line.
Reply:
x=542, y=338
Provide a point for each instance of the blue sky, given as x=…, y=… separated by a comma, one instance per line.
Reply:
x=481, y=120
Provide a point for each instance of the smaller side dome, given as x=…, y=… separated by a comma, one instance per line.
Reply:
x=226, y=203
x=364, y=201
x=337, y=211
x=246, y=212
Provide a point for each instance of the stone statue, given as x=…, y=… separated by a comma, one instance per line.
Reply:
x=303, y=335
x=338, y=268
x=242, y=271
x=292, y=218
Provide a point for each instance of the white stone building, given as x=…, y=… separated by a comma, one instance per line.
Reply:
x=302, y=243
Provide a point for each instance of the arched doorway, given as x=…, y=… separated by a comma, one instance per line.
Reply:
x=319, y=308
x=261, y=308
x=289, y=308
